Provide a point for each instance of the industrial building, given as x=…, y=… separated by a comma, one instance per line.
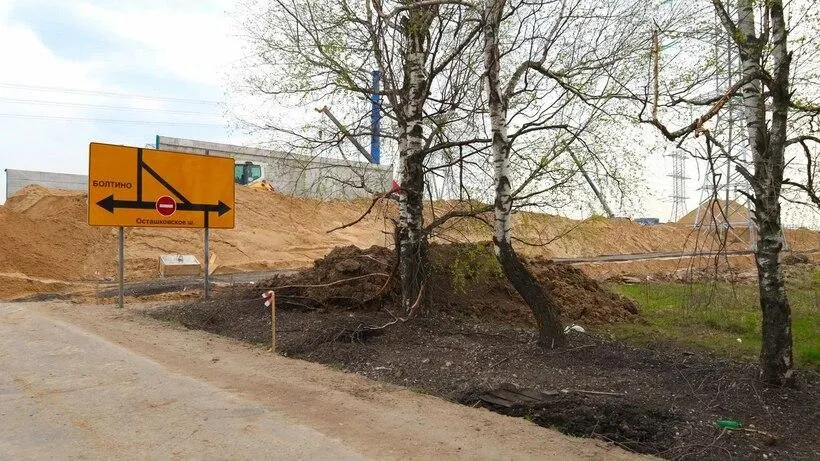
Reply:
x=293, y=174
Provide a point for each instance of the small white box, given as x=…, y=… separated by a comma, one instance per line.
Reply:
x=175, y=265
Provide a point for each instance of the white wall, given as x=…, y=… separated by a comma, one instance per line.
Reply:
x=18, y=179
x=297, y=174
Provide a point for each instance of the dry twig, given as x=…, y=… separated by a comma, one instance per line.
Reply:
x=337, y=282
x=583, y=391
x=364, y=215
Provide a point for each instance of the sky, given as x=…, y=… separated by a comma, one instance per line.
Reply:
x=122, y=72
x=119, y=72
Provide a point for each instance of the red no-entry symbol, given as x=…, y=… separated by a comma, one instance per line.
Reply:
x=166, y=206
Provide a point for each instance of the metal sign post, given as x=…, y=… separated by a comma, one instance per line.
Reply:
x=122, y=264
x=206, y=291
x=207, y=288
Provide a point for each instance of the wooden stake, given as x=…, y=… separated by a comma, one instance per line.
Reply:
x=273, y=323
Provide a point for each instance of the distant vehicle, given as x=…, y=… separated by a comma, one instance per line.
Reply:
x=648, y=221
x=246, y=173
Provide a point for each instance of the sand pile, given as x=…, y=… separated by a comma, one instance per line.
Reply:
x=43, y=234
x=16, y=285
x=716, y=212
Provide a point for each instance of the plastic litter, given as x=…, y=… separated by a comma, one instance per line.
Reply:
x=728, y=424
x=574, y=327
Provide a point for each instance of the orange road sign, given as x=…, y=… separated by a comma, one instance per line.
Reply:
x=136, y=187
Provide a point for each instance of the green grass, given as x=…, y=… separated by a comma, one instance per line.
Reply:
x=713, y=316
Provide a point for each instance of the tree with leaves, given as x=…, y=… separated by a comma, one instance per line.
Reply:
x=308, y=52
x=772, y=113
x=521, y=144
x=574, y=54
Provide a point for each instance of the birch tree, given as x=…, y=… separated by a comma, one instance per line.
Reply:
x=541, y=301
x=555, y=104
x=309, y=52
x=574, y=63
x=760, y=34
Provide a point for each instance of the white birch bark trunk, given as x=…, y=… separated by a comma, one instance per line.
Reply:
x=753, y=104
x=498, y=122
x=767, y=144
x=776, y=358
x=412, y=243
x=537, y=298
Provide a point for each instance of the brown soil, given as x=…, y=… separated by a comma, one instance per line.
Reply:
x=664, y=402
x=43, y=234
x=465, y=279
x=46, y=235
x=16, y=285
x=377, y=420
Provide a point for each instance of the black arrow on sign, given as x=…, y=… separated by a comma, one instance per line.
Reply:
x=109, y=204
x=221, y=208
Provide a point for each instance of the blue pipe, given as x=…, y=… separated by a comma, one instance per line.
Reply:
x=375, y=119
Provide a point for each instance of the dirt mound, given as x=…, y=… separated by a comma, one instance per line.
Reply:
x=347, y=278
x=465, y=279
x=790, y=259
x=32, y=194
x=13, y=286
x=715, y=211
x=43, y=233
x=580, y=296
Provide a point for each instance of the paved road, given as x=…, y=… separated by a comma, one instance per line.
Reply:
x=93, y=382
x=65, y=393
x=658, y=255
x=645, y=256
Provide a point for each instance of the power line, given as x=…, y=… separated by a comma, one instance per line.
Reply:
x=54, y=89
x=99, y=106
x=108, y=120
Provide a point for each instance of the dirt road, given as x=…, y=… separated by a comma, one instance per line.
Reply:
x=94, y=382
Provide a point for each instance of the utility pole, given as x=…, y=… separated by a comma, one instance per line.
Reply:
x=592, y=185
